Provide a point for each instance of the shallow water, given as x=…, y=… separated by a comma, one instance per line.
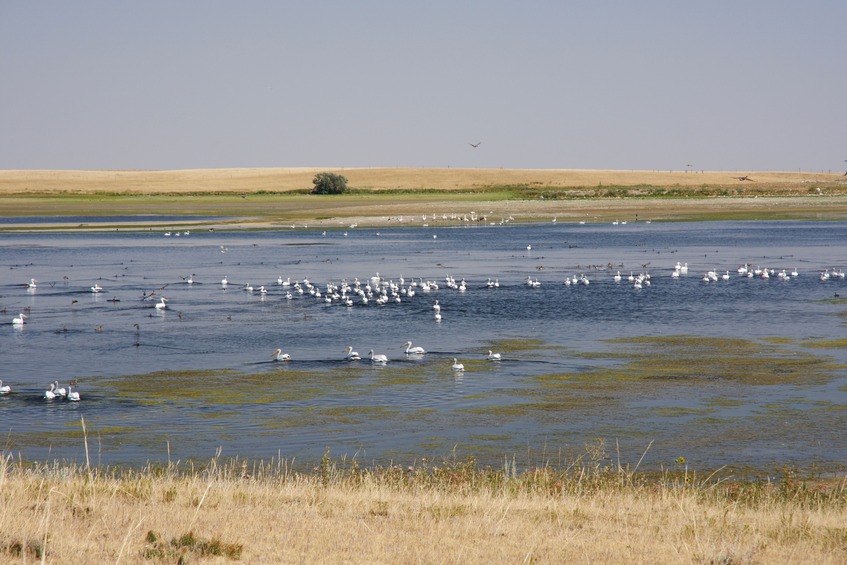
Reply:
x=199, y=375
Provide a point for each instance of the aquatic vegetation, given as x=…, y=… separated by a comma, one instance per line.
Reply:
x=826, y=343
x=746, y=361
x=514, y=345
x=216, y=387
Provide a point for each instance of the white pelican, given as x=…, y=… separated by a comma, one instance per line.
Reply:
x=379, y=358
x=492, y=356
x=436, y=307
x=413, y=350
x=20, y=320
x=456, y=366
x=162, y=304
x=31, y=283
x=96, y=288
x=59, y=391
x=437, y=317
x=49, y=394
x=224, y=282
x=4, y=389
x=351, y=355
x=278, y=355
x=73, y=395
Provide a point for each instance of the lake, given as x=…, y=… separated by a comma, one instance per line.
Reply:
x=745, y=372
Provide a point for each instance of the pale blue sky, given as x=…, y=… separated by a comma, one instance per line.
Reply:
x=721, y=85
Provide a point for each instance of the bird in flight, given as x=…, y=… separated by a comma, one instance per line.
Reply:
x=744, y=178
x=475, y=145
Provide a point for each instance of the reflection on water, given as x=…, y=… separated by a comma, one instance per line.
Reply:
x=199, y=374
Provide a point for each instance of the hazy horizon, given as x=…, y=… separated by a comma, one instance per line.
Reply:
x=725, y=86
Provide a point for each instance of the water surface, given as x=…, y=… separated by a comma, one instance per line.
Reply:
x=182, y=382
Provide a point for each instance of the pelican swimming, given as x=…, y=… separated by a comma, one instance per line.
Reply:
x=162, y=304
x=278, y=355
x=73, y=395
x=379, y=358
x=492, y=356
x=351, y=355
x=4, y=389
x=456, y=366
x=31, y=283
x=20, y=320
x=413, y=350
x=96, y=288
x=224, y=282
x=59, y=391
x=49, y=394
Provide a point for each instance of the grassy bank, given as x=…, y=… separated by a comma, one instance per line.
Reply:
x=445, y=512
x=279, y=197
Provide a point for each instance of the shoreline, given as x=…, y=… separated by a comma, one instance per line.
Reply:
x=282, y=213
x=382, y=197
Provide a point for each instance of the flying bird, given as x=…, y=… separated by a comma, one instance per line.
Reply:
x=475, y=145
x=744, y=178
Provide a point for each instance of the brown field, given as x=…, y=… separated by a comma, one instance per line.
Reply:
x=268, y=198
x=290, y=179
x=452, y=512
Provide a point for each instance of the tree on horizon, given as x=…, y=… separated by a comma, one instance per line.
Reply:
x=329, y=183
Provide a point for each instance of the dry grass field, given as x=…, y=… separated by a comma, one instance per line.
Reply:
x=376, y=179
x=380, y=196
x=452, y=512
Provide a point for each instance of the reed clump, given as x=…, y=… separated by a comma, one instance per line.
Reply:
x=449, y=511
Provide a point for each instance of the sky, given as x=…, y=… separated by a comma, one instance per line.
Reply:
x=739, y=85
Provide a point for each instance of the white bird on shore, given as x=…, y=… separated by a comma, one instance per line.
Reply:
x=378, y=358
x=413, y=350
x=20, y=320
x=4, y=389
x=351, y=355
x=278, y=355
x=456, y=366
x=492, y=356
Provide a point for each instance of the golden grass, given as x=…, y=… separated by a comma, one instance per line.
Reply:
x=453, y=512
x=269, y=198
x=289, y=179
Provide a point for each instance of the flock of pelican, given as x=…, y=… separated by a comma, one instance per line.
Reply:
x=416, y=352
x=380, y=290
x=55, y=391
